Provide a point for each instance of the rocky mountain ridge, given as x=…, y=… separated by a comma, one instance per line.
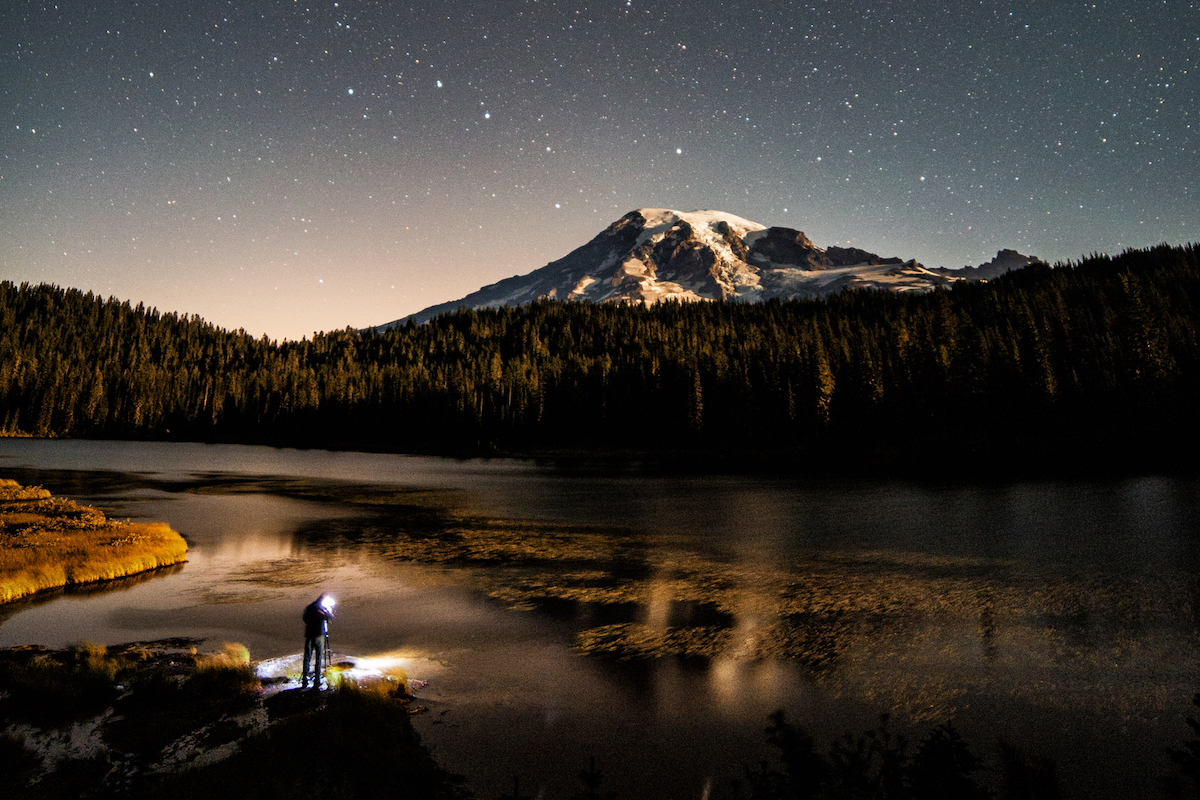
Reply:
x=654, y=254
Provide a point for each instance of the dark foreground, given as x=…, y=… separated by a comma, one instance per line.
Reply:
x=157, y=720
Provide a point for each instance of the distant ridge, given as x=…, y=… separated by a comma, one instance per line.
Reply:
x=655, y=254
x=1005, y=261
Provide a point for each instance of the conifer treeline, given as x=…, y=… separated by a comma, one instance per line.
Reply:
x=1097, y=359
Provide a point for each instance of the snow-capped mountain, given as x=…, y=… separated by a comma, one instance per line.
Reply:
x=655, y=254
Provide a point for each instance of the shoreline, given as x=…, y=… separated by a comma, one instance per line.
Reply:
x=87, y=720
x=51, y=543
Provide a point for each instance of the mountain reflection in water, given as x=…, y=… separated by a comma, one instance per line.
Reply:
x=654, y=621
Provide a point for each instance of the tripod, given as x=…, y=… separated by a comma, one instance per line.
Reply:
x=325, y=667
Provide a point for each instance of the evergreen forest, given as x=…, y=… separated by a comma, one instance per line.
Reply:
x=1089, y=364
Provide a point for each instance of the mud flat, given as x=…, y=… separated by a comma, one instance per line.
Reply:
x=48, y=543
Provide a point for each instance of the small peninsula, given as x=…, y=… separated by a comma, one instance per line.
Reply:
x=49, y=542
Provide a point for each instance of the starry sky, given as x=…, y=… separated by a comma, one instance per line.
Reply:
x=293, y=166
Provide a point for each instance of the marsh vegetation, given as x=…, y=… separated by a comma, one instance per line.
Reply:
x=158, y=719
x=656, y=620
x=47, y=543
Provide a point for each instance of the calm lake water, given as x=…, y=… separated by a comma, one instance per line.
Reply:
x=653, y=621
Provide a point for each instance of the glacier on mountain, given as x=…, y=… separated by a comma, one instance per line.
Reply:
x=655, y=254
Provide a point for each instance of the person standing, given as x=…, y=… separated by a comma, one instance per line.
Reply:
x=317, y=615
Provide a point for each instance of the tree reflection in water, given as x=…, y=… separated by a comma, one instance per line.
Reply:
x=660, y=619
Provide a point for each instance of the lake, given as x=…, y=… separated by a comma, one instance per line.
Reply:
x=653, y=620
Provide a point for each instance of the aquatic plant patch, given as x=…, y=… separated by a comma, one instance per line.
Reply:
x=48, y=543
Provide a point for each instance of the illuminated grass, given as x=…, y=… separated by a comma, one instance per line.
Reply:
x=393, y=684
x=157, y=719
x=47, y=543
x=226, y=674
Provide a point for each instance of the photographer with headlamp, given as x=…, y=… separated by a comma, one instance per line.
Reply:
x=317, y=615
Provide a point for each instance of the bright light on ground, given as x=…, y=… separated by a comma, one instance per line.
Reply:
x=283, y=673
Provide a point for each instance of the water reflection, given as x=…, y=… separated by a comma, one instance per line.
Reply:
x=570, y=614
x=8, y=610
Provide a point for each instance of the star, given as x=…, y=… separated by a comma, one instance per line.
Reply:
x=834, y=114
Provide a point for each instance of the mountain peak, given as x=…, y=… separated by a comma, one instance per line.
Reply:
x=1005, y=261
x=654, y=254
x=657, y=218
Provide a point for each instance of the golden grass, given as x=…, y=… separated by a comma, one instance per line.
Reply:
x=392, y=684
x=47, y=543
x=226, y=673
x=231, y=654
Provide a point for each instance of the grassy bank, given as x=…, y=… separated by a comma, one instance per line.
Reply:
x=156, y=719
x=48, y=543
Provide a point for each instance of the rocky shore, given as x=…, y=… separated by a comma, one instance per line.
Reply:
x=159, y=719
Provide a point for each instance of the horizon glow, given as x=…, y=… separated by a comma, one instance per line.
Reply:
x=291, y=167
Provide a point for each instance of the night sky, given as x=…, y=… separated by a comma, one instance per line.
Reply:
x=292, y=166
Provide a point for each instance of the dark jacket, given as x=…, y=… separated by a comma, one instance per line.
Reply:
x=315, y=617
